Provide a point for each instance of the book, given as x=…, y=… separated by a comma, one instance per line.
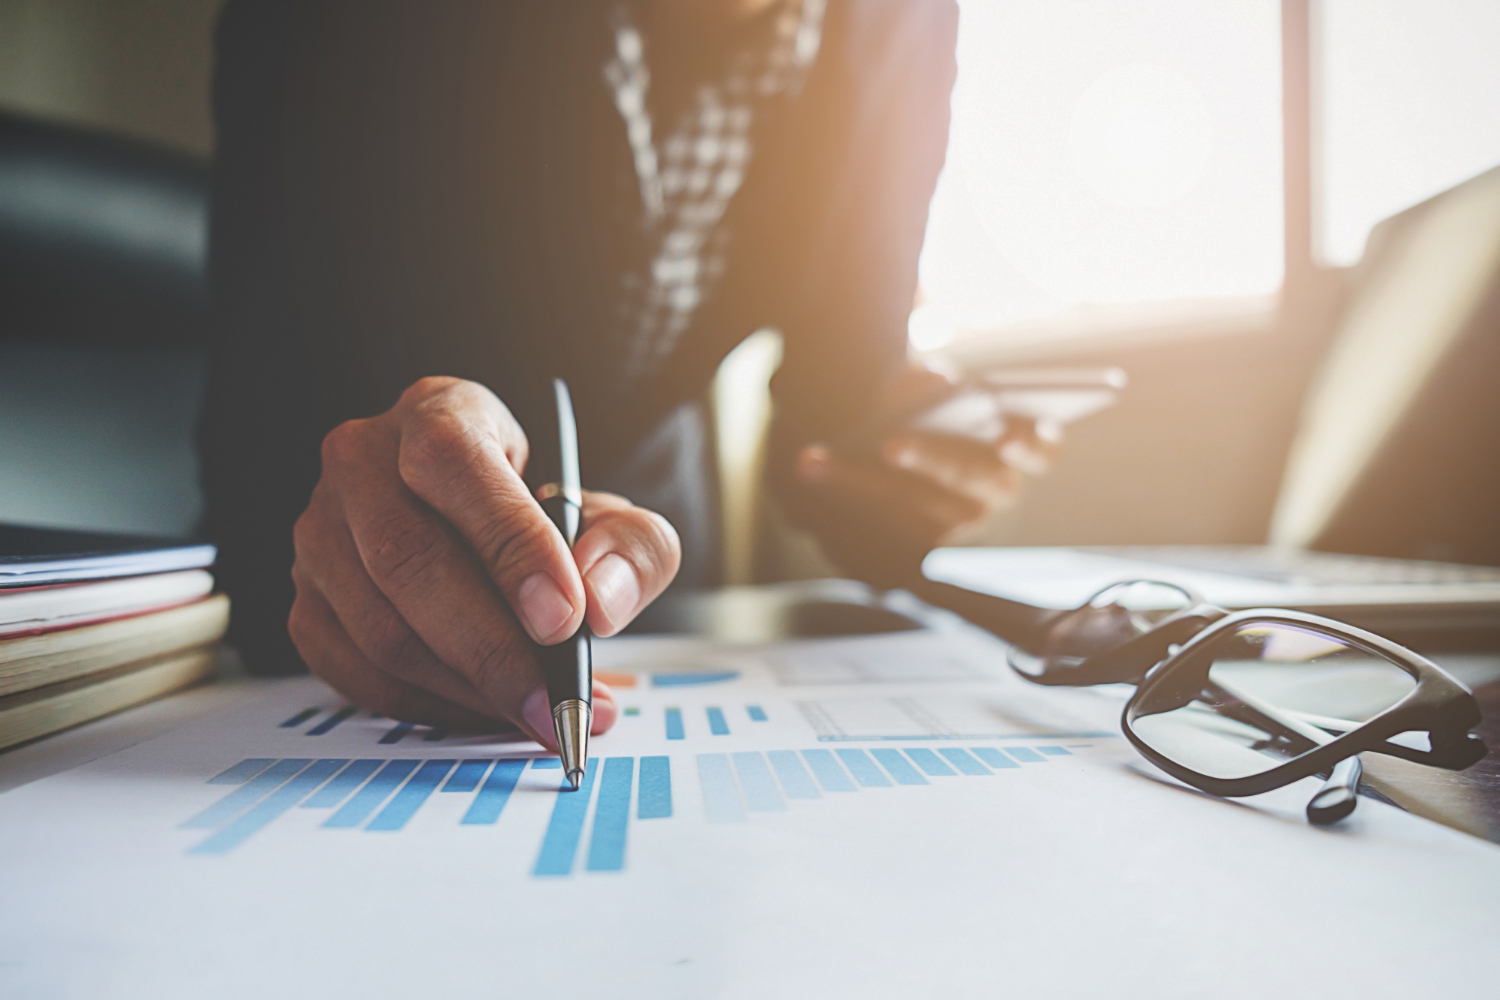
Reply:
x=34, y=661
x=31, y=556
x=45, y=710
x=34, y=610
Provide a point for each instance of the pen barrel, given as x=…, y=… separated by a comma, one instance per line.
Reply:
x=565, y=515
x=569, y=668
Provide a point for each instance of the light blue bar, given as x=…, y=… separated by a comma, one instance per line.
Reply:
x=757, y=714
x=565, y=829
x=903, y=737
x=338, y=789
x=717, y=724
x=865, y=770
x=693, y=679
x=495, y=792
x=1055, y=751
x=898, y=766
x=278, y=802
x=929, y=762
x=761, y=793
x=546, y=763
x=397, y=732
x=963, y=760
x=655, y=799
x=674, y=723
x=369, y=798
x=328, y=724
x=416, y=791
x=1025, y=755
x=468, y=776
x=246, y=795
x=829, y=774
x=994, y=758
x=242, y=772
x=611, y=815
x=795, y=780
x=721, y=796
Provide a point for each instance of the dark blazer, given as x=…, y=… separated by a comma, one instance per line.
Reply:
x=406, y=188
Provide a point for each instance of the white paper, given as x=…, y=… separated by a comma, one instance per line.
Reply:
x=1077, y=874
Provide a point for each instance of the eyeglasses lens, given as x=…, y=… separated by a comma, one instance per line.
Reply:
x=1261, y=694
x=1115, y=615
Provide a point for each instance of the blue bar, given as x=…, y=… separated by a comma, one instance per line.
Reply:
x=611, y=816
x=467, y=777
x=1055, y=751
x=300, y=717
x=565, y=829
x=830, y=775
x=929, y=762
x=721, y=796
x=246, y=795
x=407, y=801
x=369, y=798
x=865, y=770
x=898, y=766
x=326, y=726
x=546, y=763
x=1024, y=755
x=717, y=724
x=963, y=760
x=761, y=792
x=757, y=714
x=339, y=788
x=242, y=772
x=279, y=801
x=492, y=797
x=674, y=723
x=693, y=679
x=397, y=732
x=795, y=780
x=994, y=758
x=655, y=800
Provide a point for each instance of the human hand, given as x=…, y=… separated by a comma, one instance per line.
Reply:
x=878, y=517
x=425, y=569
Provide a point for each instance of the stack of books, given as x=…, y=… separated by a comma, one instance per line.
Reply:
x=93, y=623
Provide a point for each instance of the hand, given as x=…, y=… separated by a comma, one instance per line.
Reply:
x=877, y=518
x=425, y=568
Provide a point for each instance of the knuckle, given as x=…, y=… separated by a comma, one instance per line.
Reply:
x=402, y=550
x=439, y=447
x=426, y=387
x=513, y=543
x=344, y=444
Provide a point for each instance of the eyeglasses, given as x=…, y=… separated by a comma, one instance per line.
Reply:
x=1241, y=703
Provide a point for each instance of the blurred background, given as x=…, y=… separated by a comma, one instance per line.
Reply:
x=1183, y=190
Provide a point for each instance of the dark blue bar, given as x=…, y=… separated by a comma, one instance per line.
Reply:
x=795, y=780
x=369, y=798
x=1055, y=751
x=864, y=769
x=655, y=800
x=246, y=795
x=761, y=793
x=241, y=772
x=929, y=762
x=339, y=788
x=467, y=777
x=326, y=726
x=1025, y=755
x=300, y=717
x=717, y=724
x=757, y=714
x=546, y=764
x=963, y=760
x=898, y=766
x=492, y=797
x=278, y=802
x=994, y=758
x=565, y=829
x=416, y=791
x=397, y=732
x=674, y=723
x=830, y=775
x=611, y=816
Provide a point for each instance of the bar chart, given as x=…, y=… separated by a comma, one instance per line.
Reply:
x=587, y=830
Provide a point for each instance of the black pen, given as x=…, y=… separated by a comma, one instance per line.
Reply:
x=569, y=665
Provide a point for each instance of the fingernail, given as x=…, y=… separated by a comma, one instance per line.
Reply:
x=538, y=715
x=812, y=463
x=615, y=588
x=905, y=458
x=544, y=609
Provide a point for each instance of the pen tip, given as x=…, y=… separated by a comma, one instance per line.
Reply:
x=575, y=778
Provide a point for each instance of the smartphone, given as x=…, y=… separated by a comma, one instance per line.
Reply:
x=977, y=406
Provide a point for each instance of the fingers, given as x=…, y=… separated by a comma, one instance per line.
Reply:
x=627, y=556
x=971, y=468
x=456, y=451
x=914, y=506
